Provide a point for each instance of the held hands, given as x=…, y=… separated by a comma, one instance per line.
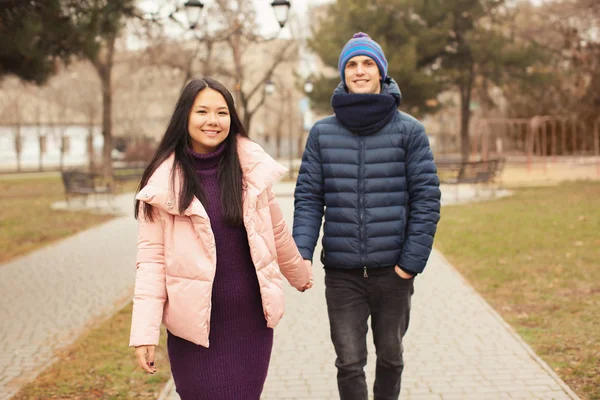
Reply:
x=308, y=266
x=145, y=358
x=402, y=274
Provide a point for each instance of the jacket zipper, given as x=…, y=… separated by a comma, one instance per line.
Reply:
x=361, y=178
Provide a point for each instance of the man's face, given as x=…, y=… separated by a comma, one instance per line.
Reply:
x=362, y=75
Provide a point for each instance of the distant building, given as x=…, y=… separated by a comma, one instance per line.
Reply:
x=35, y=126
x=146, y=84
x=41, y=146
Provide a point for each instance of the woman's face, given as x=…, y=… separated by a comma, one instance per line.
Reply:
x=209, y=121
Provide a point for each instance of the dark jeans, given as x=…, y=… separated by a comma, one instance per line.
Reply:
x=351, y=298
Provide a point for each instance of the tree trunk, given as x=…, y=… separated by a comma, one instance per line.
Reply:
x=90, y=146
x=18, y=146
x=61, y=162
x=465, y=88
x=237, y=59
x=107, y=125
x=206, y=67
x=41, y=158
x=104, y=68
x=247, y=121
x=574, y=137
x=465, y=116
x=40, y=142
x=564, y=137
x=278, y=144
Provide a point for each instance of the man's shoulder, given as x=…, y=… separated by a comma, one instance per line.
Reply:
x=407, y=124
x=406, y=119
x=329, y=120
x=324, y=126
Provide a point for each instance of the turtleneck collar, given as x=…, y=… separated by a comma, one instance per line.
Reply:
x=209, y=161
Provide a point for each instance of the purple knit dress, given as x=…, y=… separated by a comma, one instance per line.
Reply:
x=235, y=365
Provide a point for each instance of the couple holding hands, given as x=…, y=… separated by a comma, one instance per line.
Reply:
x=213, y=246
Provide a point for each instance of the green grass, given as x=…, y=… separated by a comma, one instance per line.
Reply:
x=26, y=220
x=99, y=365
x=536, y=258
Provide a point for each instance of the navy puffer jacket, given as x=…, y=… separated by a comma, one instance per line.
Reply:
x=379, y=193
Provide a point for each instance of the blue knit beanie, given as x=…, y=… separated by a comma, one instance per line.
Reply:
x=362, y=45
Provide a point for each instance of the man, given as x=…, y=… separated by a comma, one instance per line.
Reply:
x=371, y=169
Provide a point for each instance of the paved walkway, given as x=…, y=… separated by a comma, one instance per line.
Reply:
x=50, y=296
x=456, y=346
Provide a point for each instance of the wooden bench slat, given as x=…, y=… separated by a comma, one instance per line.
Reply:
x=470, y=172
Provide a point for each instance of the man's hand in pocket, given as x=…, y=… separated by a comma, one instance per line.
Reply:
x=402, y=274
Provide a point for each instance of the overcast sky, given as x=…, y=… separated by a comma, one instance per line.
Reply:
x=266, y=16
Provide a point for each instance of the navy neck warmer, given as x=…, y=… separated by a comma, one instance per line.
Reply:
x=365, y=114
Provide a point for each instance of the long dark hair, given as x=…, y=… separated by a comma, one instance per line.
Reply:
x=177, y=140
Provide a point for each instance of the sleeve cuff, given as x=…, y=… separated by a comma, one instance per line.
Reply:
x=408, y=271
x=307, y=255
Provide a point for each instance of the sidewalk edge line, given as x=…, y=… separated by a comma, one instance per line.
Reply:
x=513, y=333
x=166, y=389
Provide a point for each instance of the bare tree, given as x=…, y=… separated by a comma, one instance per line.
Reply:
x=244, y=41
x=569, y=81
x=100, y=23
x=226, y=48
x=188, y=56
x=75, y=91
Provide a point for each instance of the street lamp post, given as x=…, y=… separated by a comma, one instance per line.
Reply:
x=193, y=10
x=281, y=9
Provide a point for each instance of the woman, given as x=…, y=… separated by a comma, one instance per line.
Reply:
x=212, y=243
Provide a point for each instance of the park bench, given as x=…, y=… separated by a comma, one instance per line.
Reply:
x=125, y=174
x=80, y=183
x=83, y=184
x=471, y=172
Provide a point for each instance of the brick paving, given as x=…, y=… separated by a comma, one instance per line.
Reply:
x=457, y=347
x=51, y=295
